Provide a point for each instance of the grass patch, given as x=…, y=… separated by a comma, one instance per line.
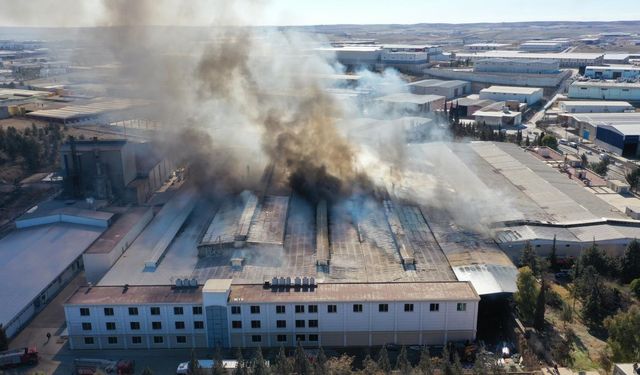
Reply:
x=581, y=361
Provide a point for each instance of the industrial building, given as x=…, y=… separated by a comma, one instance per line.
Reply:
x=613, y=72
x=412, y=58
x=41, y=256
x=566, y=59
x=269, y=315
x=485, y=46
x=498, y=115
x=100, y=111
x=499, y=65
x=528, y=95
x=407, y=104
x=113, y=169
x=594, y=106
x=538, y=46
x=586, y=124
x=448, y=89
x=619, y=139
x=605, y=90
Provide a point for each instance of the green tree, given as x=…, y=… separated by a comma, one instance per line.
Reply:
x=282, y=364
x=383, y=360
x=630, y=263
x=527, y=294
x=584, y=160
x=593, y=309
x=258, y=366
x=321, y=363
x=549, y=141
x=402, y=362
x=4, y=340
x=553, y=257
x=425, y=365
x=538, y=320
x=146, y=371
x=369, y=366
x=635, y=287
x=527, y=141
x=241, y=365
x=624, y=335
x=481, y=364
x=593, y=256
x=301, y=365
x=529, y=258
x=633, y=178
x=601, y=167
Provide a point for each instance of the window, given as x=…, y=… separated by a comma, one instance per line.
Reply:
x=313, y=309
x=383, y=307
x=332, y=309
x=236, y=324
x=313, y=323
x=155, y=311
x=111, y=326
x=112, y=340
x=357, y=307
x=434, y=307
x=281, y=323
x=84, y=311
x=300, y=323
x=133, y=311
x=179, y=325
x=235, y=310
x=86, y=326
x=178, y=311
x=300, y=338
x=181, y=339
x=256, y=338
x=280, y=309
x=255, y=324
x=313, y=337
x=255, y=309
x=136, y=340
x=198, y=324
x=282, y=338
x=88, y=340
x=299, y=309
x=462, y=306
x=158, y=339
x=134, y=326
x=108, y=311
x=197, y=310
x=156, y=325
x=408, y=307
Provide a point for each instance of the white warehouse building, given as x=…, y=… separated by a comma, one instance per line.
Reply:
x=605, y=90
x=612, y=72
x=594, y=106
x=248, y=315
x=529, y=95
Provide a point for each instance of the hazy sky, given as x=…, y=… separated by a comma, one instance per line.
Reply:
x=310, y=12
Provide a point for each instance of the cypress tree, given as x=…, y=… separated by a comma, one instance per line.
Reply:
x=402, y=362
x=538, y=320
x=282, y=364
x=425, y=366
x=301, y=365
x=258, y=366
x=553, y=258
x=383, y=360
x=321, y=363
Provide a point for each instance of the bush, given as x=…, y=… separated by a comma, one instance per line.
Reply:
x=635, y=287
x=553, y=299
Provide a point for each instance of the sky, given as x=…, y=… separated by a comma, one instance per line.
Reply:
x=73, y=13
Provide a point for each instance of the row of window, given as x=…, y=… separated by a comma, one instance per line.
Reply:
x=112, y=340
x=313, y=323
x=111, y=326
x=357, y=307
x=283, y=338
x=133, y=311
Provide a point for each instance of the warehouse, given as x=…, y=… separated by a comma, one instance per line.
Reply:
x=567, y=60
x=586, y=124
x=528, y=95
x=595, y=106
x=485, y=46
x=499, y=65
x=448, y=89
x=612, y=72
x=38, y=260
x=605, y=90
x=407, y=104
x=537, y=46
x=498, y=118
x=279, y=312
x=619, y=139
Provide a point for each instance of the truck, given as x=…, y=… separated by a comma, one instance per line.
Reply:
x=89, y=366
x=206, y=364
x=18, y=357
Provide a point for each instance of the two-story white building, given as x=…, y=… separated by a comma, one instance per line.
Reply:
x=272, y=314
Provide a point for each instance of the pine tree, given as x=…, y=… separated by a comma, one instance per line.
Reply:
x=383, y=360
x=402, y=362
x=258, y=366
x=321, y=363
x=425, y=366
x=446, y=367
x=553, y=257
x=369, y=366
x=301, y=365
x=529, y=258
x=282, y=364
x=538, y=320
x=631, y=262
x=218, y=366
x=457, y=365
x=527, y=141
x=527, y=294
x=593, y=310
x=146, y=371
x=194, y=365
x=241, y=366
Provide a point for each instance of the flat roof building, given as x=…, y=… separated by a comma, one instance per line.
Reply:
x=408, y=104
x=485, y=46
x=448, y=89
x=528, y=95
x=594, y=106
x=613, y=72
x=566, y=59
x=605, y=90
